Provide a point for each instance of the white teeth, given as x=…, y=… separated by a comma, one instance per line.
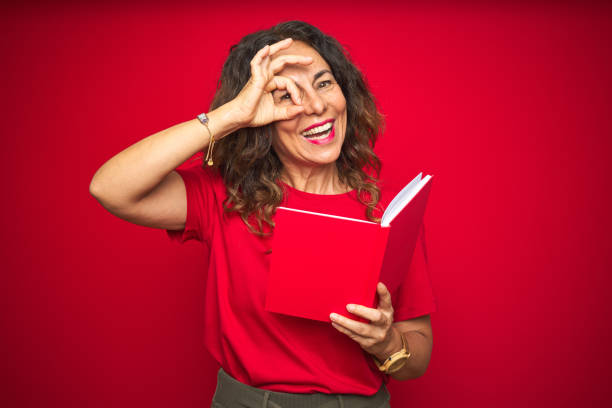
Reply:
x=323, y=136
x=318, y=129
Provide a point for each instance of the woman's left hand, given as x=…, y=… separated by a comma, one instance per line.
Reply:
x=374, y=337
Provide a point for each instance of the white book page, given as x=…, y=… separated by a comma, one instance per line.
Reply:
x=403, y=198
x=325, y=215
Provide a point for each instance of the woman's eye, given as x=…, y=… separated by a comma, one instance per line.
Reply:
x=285, y=96
x=325, y=84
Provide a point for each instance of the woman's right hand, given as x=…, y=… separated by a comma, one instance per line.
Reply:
x=254, y=104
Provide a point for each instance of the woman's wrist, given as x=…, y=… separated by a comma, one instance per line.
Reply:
x=395, y=344
x=223, y=120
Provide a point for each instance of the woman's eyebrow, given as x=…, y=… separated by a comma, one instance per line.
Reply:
x=320, y=73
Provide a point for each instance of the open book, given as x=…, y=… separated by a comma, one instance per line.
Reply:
x=350, y=258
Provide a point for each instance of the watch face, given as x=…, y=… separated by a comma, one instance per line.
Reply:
x=397, y=363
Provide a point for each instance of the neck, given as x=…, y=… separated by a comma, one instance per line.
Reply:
x=316, y=180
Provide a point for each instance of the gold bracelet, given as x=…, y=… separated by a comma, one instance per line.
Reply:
x=211, y=143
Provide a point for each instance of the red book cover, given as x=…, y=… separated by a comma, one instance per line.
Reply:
x=350, y=257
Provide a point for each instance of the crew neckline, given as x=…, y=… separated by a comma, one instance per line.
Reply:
x=312, y=195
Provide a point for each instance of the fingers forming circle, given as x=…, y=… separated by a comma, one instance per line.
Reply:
x=263, y=66
x=256, y=64
x=280, y=82
x=280, y=45
x=280, y=62
x=260, y=55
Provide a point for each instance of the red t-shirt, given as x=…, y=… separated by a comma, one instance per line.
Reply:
x=269, y=350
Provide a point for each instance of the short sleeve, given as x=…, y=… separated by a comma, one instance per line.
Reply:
x=415, y=296
x=200, y=193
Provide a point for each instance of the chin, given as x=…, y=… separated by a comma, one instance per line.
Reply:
x=326, y=158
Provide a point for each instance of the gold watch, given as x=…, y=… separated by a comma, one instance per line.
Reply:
x=396, y=360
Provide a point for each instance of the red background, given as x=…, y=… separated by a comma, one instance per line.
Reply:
x=507, y=105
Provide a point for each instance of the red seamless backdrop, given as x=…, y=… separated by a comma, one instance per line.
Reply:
x=507, y=105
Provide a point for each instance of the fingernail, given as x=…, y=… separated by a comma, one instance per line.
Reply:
x=333, y=316
x=350, y=308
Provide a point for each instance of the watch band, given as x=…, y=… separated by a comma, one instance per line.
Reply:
x=396, y=360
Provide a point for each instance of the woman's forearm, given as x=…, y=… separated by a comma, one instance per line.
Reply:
x=419, y=347
x=134, y=172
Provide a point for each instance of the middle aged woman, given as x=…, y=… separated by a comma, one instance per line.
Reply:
x=292, y=123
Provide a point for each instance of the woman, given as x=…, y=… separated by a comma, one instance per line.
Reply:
x=292, y=123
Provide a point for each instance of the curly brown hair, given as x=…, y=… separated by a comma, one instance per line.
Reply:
x=247, y=162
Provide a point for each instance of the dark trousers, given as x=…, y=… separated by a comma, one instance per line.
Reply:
x=231, y=393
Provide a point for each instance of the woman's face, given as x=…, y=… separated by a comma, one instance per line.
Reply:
x=313, y=138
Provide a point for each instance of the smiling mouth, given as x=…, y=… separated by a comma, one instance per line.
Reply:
x=320, y=134
x=324, y=136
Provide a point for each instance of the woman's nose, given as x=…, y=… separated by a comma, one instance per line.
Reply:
x=313, y=103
